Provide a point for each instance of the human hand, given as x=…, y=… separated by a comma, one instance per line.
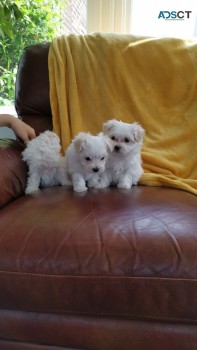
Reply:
x=22, y=130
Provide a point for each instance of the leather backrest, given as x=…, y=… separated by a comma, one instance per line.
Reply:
x=32, y=88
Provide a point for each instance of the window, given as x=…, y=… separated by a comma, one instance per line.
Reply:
x=40, y=21
x=74, y=17
x=109, y=16
x=177, y=18
x=174, y=18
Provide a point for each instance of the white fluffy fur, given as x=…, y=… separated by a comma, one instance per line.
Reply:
x=85, y=160
x=46, y=165
x=123, y=167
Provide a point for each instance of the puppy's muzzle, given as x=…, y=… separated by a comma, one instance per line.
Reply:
x=95, y=170
x=117, y=148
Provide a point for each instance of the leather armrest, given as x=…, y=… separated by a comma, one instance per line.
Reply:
x=13, y=171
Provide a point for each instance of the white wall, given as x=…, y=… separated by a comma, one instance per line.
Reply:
x=4, y=131
x=145, y=19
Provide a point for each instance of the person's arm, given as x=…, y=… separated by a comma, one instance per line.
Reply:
x=21, y=129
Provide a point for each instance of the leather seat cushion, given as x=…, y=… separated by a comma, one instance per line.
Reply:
x=109, y=252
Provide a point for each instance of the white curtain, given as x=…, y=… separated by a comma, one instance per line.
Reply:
x=109, y=16
x=140, y=17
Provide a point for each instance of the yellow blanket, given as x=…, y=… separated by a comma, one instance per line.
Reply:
x=98, y=77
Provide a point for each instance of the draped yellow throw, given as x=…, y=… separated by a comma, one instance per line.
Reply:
x=98, y=77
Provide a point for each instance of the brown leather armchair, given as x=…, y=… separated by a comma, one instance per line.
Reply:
x=105, y=270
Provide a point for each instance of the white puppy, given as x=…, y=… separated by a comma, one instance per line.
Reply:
x=46, y=165
x=123, y=167
x=85, y=160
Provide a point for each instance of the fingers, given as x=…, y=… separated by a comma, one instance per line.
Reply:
x=30, y=134
x=23, y=131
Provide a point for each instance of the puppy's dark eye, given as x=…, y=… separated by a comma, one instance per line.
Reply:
x=126, y=139
x=102, y=158
x=113, y=138
x=88, y=159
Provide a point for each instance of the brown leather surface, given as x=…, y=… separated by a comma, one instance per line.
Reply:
x=32, y=88
x=97, y=333
x=12, y=171
x=40, y=123
x=8, y=345
x=130, y=253
x=32, y=83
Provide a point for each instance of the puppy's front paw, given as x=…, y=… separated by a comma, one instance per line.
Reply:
x=30, y=189
x=80, y=188
x=92, y=183
x=124, y=185
x=101, y=185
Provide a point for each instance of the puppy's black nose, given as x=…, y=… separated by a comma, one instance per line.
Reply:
x=95, y=170
x=117, y=148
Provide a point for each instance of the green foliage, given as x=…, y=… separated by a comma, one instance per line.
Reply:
x=9, y=13
x=23, y=23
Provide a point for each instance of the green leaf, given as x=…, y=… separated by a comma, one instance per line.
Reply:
x=2, y=33
x=7, y=13
x=5, y=26
x=31, y=22
x=17, y=13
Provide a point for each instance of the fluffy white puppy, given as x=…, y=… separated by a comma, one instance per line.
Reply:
x=123, y=167
x=85, y=160
x=46, y=165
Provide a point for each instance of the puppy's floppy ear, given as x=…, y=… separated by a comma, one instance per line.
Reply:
x=138, y=132
x=108, y=126
x=109, y=145
x=107, y=141
x=80, y=141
